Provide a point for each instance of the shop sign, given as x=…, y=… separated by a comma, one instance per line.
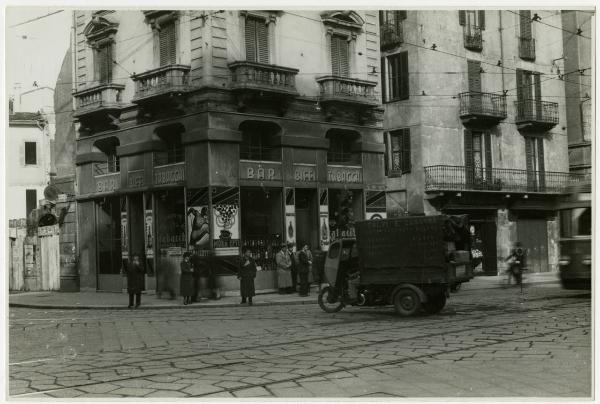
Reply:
x=344, y=175
x=29, y=259
x=124, y=240
x=108, y=183
x=260, y=171
x=148, y=233
x=47, y=230
x=135, y=179
x=324, y=227
x=304, y=173
x=169, y=174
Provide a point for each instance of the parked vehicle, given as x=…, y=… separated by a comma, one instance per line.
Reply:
x=410, y=262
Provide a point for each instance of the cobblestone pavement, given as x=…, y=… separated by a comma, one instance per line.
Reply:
x=485, y=343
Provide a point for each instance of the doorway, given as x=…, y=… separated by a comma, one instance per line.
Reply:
x=108, y=243
x=533, y=234
x=483, y=238
x=307, y=219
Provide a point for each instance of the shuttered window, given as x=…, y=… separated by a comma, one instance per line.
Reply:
x=478, y=158
x=399, y=151
x=340, y=65
x=30, y=153
x=30, y=200
x=472, y=17
x=525, y=23
x=397, y=81
x=104, y=62
x=257, y=40
x=168, y=44
x=534, y=155
x=474, y=73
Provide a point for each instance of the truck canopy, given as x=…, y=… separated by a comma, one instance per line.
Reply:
x=410, y=242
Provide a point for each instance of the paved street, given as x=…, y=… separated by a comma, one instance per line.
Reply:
x=486, y=342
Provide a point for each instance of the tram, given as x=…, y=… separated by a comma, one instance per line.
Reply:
x=575, y=264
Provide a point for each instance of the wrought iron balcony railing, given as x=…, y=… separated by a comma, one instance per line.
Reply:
x=536, y=112
x=98, y=98
x=482, y=105
x=473, y=38
x=464, y=178
x=527, y=48
x=161, y=81
x=263, y=77
x=347, y=90
x=166, y=157
x=391, y=35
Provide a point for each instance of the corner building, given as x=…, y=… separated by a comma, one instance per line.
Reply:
x=210, y=130
x=475, y=122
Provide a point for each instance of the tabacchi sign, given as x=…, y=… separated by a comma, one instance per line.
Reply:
x=169, y=174
x=344, y=175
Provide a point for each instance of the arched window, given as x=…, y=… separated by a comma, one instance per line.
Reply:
x=108, y=146
x=259, y=141
x=341, y=143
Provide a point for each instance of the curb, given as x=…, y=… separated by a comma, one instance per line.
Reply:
x=218, y=305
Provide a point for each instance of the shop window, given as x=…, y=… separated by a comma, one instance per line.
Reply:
x=257, y=40
x=259, y=142
x=173, y=151
x=341, y=147
x=111, y=164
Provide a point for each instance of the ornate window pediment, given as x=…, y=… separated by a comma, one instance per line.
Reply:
x=344, y=19
x=102, y=27
x=156, y=18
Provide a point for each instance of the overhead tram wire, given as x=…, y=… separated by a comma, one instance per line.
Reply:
x=553, y=26
x=36, y=19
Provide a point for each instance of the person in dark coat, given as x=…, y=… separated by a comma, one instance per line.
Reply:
x=199, y=270
x=186, y=287
x=305, y=260
x=294, y=268
x=135, y=281
x=246, y=276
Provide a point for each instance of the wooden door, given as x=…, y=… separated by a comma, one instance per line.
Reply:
x=533, y=233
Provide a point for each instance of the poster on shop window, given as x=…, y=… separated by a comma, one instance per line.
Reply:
x=226, y=219
x=375, y=207
x=198, y=220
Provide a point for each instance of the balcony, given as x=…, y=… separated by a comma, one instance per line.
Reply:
x=104, y=98
x=160, y=82
x=527, y=48
x=482, y=108
x=391, y=36
x=461, y=178
x=264, y=78
x=344, y=90
x=536, y=114
x=473, y=38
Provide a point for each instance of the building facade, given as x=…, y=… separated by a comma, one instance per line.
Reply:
x=475, y=122
x=577, y=78
x=28, y=162
x=210, y=130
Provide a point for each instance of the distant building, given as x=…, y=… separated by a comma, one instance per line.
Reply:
x=475, y=122
x=28, y=161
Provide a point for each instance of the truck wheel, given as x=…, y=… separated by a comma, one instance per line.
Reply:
x=455, y=287
x=328, y=302
x=435, y=304
x=407, y=302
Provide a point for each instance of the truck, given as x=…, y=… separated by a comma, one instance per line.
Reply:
x=410, y=262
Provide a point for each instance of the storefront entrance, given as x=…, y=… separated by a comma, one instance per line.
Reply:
x=108, y=243
x=307, y=219
x=262, y=223
x=170, y=240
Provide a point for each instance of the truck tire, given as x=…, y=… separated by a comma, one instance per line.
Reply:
x=455, y=287
x=326, y=301
x=435, y=303
x=407, y=302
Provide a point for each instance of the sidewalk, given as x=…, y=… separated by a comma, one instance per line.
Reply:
x=112, y=301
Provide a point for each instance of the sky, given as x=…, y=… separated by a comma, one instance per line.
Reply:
x=35, y=50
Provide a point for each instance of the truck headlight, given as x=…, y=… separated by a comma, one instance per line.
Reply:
x=564, y=260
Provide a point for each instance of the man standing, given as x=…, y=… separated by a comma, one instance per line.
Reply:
x=304, y=265
x=294, y=267
x=284, y=265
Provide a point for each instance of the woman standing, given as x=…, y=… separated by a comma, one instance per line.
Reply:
x=186, y=287
x=246, y=276
x=284, y=270
x=135, y=281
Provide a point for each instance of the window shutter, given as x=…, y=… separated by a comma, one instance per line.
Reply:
x=394, y=76
x=520, y=92
x=538, y=86
x=381, y=18
x=104, y=55
x=344, y=58
x=339, y=56
x=488, y=156
x=481, y=18
x=468, y=145
x=474, y=73
x=529, y=154
x=404, y=86
x=402, y=14
x=167, y=44
x=383, y=80
x=386, y=157
x=541, y=165
x=525, y=23
x=262, y=34
x=22, y=154
x=335, y=57
x=406, y=151
x=462, y=18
